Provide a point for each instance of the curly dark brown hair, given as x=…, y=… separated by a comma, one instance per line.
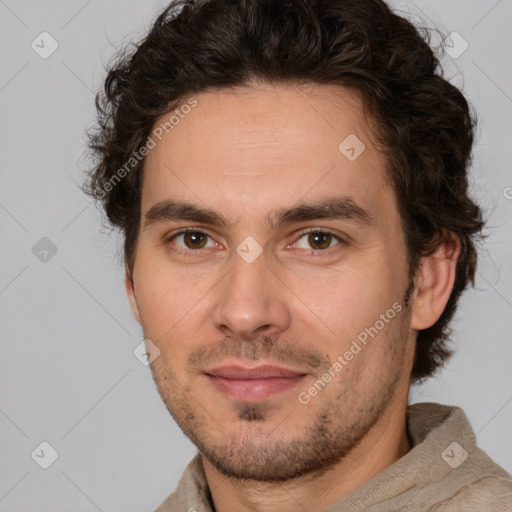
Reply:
x=425, y=125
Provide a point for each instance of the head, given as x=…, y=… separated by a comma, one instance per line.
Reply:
x=318, y=160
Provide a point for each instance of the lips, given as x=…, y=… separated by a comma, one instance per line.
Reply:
x=253, y=384
x=260, y=372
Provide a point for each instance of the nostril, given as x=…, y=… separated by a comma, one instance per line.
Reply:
x=263, y=328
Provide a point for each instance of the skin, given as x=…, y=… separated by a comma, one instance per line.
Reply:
x=247, y=152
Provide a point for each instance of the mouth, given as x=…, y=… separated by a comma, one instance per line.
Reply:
x=253, y=384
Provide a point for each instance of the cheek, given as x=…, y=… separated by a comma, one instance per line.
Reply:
x=162, y=298
x=165, y=319
x=165, y=302
x=163, y=289
x=173, y=303
x=348, y=298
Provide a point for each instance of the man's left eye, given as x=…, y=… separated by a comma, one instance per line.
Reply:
x=317, y=240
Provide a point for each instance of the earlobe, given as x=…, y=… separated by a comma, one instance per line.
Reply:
x=128, y=283
x=434, y=283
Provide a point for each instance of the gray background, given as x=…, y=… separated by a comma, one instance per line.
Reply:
x=68, y=375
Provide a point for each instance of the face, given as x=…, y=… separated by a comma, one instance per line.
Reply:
x=271, y=273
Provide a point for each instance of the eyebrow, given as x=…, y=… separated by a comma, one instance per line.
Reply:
x=336, y=208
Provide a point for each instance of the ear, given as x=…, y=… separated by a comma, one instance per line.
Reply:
x=433, y=283
x=128, y=283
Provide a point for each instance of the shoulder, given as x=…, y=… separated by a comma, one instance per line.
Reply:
x=483, y=485
x=486, y=493
x=192, y=493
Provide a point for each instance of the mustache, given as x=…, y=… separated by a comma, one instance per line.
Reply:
x=261, y=348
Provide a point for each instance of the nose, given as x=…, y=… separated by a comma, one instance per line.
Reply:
x=251, y=300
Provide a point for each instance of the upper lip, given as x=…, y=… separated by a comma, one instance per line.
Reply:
x=258, y=372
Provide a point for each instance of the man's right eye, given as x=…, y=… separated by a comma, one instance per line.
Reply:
x=190, y=240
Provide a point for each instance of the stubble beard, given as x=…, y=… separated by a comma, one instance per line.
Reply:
x=256, y=452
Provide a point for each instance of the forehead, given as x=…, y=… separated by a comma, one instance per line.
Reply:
x=257, y=148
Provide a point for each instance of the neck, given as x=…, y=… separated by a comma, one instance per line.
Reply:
x=384, y=444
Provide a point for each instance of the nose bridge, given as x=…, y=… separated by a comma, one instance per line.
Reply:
x=250, y=299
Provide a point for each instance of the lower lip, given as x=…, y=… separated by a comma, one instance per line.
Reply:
x=252, y=390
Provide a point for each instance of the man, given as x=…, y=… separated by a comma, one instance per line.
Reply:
x=291, y=181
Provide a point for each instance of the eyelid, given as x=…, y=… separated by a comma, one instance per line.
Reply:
x=306, y=231
x=184, y=231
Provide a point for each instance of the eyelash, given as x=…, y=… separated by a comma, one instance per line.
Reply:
x=303, y=232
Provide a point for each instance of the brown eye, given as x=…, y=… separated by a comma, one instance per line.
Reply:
x=195, y=239
x=319, y=240
x=191, y=240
